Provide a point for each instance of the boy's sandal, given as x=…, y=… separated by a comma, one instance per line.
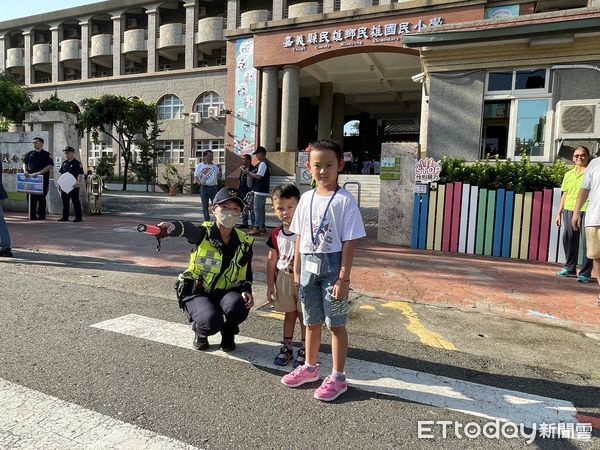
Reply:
x=284, y=357
x=300, y=358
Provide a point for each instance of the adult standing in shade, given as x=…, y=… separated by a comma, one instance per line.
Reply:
x=570, y=187
x=73, y=166
x=5, y=250
x=35, y=163
x=206, y=175
x=261, y=180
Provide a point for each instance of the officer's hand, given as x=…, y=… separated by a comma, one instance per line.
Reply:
x=26, y=174
x=248, y=299
x=166, y=228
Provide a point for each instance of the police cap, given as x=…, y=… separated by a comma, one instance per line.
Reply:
x=228, y=194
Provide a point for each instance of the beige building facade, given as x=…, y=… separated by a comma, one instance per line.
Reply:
x=231, y=75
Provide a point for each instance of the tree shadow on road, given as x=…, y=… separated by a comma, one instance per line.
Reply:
x=30, y=258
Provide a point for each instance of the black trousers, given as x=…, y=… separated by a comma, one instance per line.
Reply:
x=571, y=245
x=37, y=208
x=66, y=198
x=207, y=314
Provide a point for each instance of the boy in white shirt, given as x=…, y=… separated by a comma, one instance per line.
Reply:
x=327, y=223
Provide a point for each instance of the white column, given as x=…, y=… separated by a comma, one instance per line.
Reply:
x=152, y=30
x=191, y=17
x=85, y=49
x=233, y=12
x=117, y=46
x=268, y=108
x=325, y=107
x=56, y=67
x=27, y=58
x=2, y=54
x=289, y=108
x=328, y=6
x=278, y=9
x=339, y=113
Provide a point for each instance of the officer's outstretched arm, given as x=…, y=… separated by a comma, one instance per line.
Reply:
x=187, y=230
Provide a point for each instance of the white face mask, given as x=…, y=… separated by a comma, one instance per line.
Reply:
x=227, y=218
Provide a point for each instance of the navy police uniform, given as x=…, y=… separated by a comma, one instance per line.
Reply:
x=36, y=161
x=75, y=168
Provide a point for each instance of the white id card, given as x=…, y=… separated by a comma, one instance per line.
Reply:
x=313, y=264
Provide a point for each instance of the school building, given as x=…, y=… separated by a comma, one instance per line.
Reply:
x=461, y=77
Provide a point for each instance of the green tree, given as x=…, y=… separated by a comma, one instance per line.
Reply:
x=106, y=166
x=14, y=99
x=145, y=168
x=124, y=119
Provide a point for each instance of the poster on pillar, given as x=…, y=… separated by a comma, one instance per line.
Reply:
x=244, y=112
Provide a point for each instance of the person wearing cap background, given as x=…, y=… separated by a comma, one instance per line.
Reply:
x=215, y=292
x=74, y=167
x=38, y=162
x=261, y=186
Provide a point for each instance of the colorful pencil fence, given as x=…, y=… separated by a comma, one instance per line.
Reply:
x=462, y=218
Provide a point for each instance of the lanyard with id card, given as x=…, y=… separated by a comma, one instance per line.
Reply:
x=313, y=263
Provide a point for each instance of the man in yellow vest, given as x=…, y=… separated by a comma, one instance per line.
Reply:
x=215, y=292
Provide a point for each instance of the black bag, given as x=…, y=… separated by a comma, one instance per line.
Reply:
x=184, y=288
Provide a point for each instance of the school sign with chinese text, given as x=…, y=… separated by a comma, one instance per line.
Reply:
x=354, y=36
x=301, y=43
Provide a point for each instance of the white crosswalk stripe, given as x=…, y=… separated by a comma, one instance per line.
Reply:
x=420, y=387
x=33, y=420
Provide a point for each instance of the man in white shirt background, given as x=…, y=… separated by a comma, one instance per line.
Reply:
x=206, y=175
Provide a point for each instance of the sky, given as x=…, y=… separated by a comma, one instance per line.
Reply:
x=24, y=8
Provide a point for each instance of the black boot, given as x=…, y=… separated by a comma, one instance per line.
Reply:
x=228, y=337
x=200, y=343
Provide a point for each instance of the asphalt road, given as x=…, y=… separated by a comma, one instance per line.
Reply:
x=48, y=304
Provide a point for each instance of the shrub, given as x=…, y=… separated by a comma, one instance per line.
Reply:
x=173, y=178
x=106, y=166
x=518, y=176
x=53, y=103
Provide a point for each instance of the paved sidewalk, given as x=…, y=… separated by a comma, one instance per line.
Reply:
x=510, y=288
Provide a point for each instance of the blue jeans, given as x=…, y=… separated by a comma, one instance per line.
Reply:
x=318, y=305
x=207, y=193
x=259, y=210
x=4, y=236
x=248, y=216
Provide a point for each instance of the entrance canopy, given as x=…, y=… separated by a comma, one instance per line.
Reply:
x=378, y=84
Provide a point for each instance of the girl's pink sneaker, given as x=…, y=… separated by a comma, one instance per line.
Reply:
x=299, y=376
x=330, y=389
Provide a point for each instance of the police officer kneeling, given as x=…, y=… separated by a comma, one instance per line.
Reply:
x=218, y=281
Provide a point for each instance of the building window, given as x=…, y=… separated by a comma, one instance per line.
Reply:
x=207, y=100
x=169, y=152
x=217, y=146
x=97, y=151
x=170, y=107
x=514, y=114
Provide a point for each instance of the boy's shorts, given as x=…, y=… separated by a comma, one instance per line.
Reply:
x=318, y=306
x=286, y=298
x=592, y=238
